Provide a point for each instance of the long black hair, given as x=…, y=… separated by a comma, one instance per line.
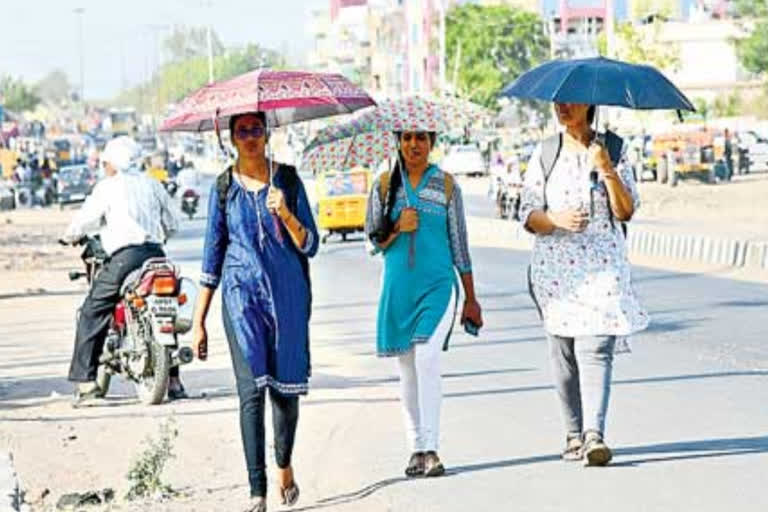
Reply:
x=395, y=182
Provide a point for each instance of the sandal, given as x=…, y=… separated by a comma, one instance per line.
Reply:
x=596, y=452
x=573, y=447
x=432, y=465
x=290, y=495
x=415, y=465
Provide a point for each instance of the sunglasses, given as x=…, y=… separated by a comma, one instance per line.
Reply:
x=244, y=133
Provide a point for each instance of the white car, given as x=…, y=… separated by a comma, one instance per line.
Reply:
x=757, y=150
x=464, y=160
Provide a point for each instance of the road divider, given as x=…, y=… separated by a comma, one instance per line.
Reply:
x=680, y=247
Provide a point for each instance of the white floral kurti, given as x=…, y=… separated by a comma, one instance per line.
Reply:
x=580, y=281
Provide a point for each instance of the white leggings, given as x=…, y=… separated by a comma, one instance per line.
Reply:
x=420, y=387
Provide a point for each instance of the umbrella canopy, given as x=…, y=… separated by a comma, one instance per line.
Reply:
x=284, y=96
x=599, y=81
x=368, y=139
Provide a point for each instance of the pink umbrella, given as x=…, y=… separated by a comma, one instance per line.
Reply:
x=285, y=96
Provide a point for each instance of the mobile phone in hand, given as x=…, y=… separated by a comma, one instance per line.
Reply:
x=471, y=327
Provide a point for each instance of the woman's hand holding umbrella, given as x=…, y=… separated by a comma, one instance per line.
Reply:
x=409, y=220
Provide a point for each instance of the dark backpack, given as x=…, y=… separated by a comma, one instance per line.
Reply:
x=291, y=190
x=550, y=152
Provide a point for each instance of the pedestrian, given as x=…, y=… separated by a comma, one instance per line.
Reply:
x=416, y=219
x=258, y=240
x=575, y=198
x=728, y=154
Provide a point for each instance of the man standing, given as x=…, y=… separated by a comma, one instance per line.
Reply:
x=134, y=218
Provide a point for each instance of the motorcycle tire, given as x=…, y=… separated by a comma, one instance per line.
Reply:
x=103, y=378
x=191, y=215
x=152, y=390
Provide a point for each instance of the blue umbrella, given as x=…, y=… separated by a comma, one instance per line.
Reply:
x=599, y=81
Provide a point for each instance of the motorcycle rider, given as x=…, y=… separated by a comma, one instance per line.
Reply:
x=133, y=216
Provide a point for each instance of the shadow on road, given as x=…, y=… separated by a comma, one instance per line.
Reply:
x=685, y=450
x=688, y=450
x=41, y=293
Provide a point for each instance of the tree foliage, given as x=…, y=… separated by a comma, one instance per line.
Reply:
x=190, y=42
x=642, y=45
x=187, y=70
x=753, y=50
x=492, y=46
x=18, y=96
x=54, y=86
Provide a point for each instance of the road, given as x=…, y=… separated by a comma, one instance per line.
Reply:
x=688, y=414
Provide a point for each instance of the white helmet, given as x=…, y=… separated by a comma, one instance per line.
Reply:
x=121, y=152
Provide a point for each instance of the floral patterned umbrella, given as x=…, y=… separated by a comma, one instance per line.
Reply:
x=285, y=96
x=367, y=139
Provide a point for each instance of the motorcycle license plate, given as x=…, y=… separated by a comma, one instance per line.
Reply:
x=163, y=306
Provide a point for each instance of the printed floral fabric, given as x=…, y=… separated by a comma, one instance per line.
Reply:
x=581, y=282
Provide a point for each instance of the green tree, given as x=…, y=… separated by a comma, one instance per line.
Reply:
x=19, y=96
x=753, y=50
x=188, y=42
x=178, y=79
x=54, y=86
x=642, y=45
x=491, y=46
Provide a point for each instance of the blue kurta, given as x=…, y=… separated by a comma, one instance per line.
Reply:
x=249, y=251
x=418, y=282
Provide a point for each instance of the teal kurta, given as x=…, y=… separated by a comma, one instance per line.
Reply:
x=419, y=274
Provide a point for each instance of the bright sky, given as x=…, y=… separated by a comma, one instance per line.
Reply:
x=37, y=36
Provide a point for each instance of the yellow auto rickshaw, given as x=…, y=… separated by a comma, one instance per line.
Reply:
x=342, y=201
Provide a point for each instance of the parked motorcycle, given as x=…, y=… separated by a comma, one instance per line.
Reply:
x=189, y=202
x=142, y=344
x=508, y=200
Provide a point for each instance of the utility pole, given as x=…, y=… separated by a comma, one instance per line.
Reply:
x=210, y=53
x=79, y=12
x=610, y=28
x=443, y=85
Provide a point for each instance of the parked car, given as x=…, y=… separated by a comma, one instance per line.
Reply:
x=74, y=184
x=756, y=150
x=464, y=160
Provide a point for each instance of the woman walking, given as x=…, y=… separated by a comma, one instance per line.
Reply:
x=575, y=199
x=416, y=219
x=257, y=242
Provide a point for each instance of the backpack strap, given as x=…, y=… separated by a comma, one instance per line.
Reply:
x=450, y=185
x=223, y=182
x=551, y=147
x=614, y=144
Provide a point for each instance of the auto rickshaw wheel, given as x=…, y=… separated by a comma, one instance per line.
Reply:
x=344, y=236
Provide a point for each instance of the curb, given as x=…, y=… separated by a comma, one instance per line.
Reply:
x=738, y=253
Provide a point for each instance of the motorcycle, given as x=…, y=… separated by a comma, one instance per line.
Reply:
x=142, y=343
x=508, y=200
x=189, y=202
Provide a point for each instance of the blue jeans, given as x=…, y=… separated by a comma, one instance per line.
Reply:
x=285, y=418
x=582, y=372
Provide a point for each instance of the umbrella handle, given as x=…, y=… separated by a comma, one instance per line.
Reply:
x=217, y=128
